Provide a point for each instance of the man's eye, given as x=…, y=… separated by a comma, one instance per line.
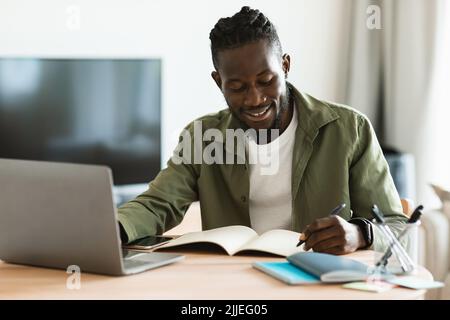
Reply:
x=266, y=82
x=236, y=88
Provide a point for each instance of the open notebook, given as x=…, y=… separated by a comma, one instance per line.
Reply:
x=234, y=239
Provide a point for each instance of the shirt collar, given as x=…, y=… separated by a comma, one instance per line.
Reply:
x=312, y=113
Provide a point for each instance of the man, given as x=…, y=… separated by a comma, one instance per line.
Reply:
x=328, y=154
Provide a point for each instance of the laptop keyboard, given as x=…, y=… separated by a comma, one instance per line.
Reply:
x=133, y=259
x=130, y=255
x=140, y=261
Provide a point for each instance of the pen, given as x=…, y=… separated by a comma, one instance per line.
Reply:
x=333, y=212
x=415, y=216
x=404, y=260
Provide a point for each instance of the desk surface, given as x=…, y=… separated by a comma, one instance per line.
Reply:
x=201, y=275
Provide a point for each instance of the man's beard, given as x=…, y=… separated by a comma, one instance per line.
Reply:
x=276, y=124
x=284, y=107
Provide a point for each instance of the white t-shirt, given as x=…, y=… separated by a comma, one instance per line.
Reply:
x=270, y=181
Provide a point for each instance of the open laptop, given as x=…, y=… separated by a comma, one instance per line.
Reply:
x=58, y=215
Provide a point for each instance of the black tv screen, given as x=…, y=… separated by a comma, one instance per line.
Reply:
x=83, y=111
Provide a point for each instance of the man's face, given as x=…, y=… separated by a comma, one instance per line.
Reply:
x=252, y=80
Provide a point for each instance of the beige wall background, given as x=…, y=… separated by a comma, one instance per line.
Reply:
x=177, y=32
x=316, y=33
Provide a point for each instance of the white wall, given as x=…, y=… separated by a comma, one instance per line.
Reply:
x=178, y=31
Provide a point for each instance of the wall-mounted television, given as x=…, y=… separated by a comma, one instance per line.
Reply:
x=95, y=111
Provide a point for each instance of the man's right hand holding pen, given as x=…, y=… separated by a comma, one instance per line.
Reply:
x=333, y=235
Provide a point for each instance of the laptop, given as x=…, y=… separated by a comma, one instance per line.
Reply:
x=59, y=215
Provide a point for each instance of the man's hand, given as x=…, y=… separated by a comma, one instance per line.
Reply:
x=333, y=235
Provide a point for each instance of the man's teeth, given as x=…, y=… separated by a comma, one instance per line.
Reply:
x=258, y=114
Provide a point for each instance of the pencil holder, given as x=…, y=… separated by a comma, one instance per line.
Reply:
x=398, y=249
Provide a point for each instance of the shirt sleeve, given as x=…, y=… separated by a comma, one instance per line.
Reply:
x=163, y=205
x=371, y=183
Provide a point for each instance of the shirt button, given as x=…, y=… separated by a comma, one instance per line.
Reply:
x=244, y=198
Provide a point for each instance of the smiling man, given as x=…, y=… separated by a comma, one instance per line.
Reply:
x=328, y=154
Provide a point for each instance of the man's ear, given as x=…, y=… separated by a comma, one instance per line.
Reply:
x=286, y=64
x=216, y=76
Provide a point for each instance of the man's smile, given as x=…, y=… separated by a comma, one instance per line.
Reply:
x=259, y=114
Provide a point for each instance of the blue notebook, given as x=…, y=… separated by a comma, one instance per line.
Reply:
x=330, y=268
x=287, y=272
x=314, y=267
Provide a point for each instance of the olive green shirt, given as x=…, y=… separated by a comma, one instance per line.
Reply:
x=337, y=158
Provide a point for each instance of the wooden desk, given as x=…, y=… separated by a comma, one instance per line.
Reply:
x=201, y=275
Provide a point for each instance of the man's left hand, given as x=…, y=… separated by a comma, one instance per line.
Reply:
x=333, y=235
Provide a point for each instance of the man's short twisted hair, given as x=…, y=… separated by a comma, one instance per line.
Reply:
x=246, y=26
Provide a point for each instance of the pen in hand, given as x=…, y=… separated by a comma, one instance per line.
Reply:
x=333, y=212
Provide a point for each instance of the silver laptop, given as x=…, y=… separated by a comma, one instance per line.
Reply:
x=59, y=215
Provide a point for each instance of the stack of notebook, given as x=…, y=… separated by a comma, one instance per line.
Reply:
x=314, y=267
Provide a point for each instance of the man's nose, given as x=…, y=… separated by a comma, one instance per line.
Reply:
x=254, y=97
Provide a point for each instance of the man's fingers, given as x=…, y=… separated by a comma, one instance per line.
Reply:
x=332, y=235
x=322, y=223
x=329, y=244
x=322, y=235
x=338, y=250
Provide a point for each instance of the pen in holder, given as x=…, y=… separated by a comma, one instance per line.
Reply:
x=400, y=252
